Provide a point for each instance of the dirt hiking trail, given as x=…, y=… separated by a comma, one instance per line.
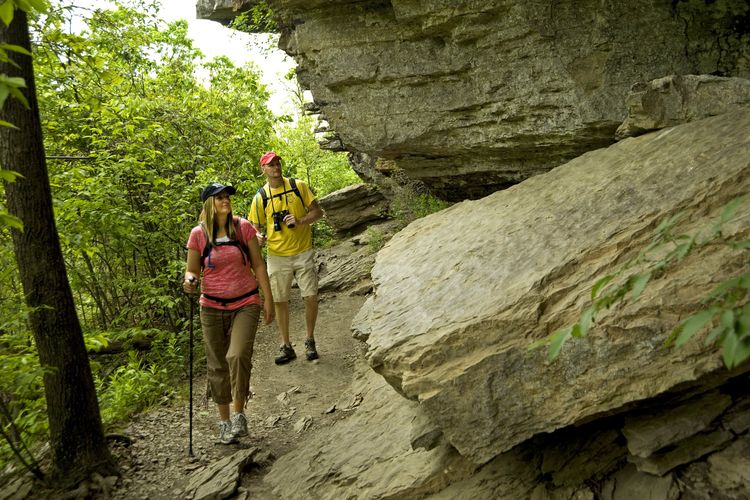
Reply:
x=290, y=402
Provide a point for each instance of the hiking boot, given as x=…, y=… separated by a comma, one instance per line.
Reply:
x=286, y=354
x=225, y=433
x=239, y=425
x=310, y=351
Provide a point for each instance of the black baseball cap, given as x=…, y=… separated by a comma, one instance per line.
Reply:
x=215, y=188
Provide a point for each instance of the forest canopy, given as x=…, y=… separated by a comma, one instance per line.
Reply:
x=135, y=122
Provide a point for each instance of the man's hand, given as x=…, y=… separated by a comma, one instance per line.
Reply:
x=290, y=220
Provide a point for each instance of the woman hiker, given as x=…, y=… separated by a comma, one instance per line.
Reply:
x=225, y=249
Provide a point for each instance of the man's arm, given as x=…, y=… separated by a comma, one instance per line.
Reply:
x=314, y=212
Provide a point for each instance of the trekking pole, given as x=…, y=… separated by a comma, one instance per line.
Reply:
x=190, y=371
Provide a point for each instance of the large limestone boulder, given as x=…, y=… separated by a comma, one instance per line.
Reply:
x=454, y=312
x=471, y=97
x=676, y=99
x=354, y=206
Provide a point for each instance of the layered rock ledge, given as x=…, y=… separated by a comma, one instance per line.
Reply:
x=452, y=318
x=470, y=97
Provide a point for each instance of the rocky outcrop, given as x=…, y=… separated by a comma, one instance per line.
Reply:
x=354, y=206
x=352, y=459
x=618, y=415
x=222, y=11
x=220, y=479
x=347, y=266
x=471, y=97
x=673, y=100
x=369, y=466
x=452, y=318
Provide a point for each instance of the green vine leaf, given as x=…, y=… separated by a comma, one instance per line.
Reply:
x=556, y=342
x=14, y=48
x=10, y=220
x=735, y=351
x=639, y=284
x=586, y=319
x=600, y=284
x=6, y=12
x=690, y=327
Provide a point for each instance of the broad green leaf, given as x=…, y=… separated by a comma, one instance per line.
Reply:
x=715, y=333
x=745, y=280
x=575, y=331
x=14, y=48
x=4, y=92
x=732, y=348
x=9, y=175
x=12, y=81
x=6, y=12
x=744, y=321
x=722, y=289
x=586, y=319
x=639, y=283
x=39, y=5
x=599, y=284
x=682, y=250
x=23, y=5
x=730, y=208
x=691, y=326
x=10, y=220
x=667, y=223
x=727, y=319
x=18, y=95
x=556, y=342
x=3, y=123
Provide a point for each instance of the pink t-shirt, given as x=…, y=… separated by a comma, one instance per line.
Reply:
x=224, y=274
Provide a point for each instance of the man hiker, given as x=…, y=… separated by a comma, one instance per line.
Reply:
x=287, y=208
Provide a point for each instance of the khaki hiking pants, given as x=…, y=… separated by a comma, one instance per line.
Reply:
x=229, y=337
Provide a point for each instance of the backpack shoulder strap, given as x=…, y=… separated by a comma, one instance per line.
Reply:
x=263, y=195
x=238, y=236
x=293, y=184
x=207, y=247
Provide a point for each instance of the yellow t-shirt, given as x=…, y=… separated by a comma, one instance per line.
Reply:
x=287, y=241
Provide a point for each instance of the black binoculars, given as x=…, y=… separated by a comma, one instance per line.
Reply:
x=278, y=218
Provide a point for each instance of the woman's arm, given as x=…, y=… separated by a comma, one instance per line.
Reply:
x=261, y=274
x=192, y=271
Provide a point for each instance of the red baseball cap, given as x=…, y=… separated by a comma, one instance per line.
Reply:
x=268, y=158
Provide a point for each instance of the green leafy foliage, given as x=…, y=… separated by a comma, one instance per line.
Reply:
x=324, y=171
x=408, y=206
x=124, y=95
x=136, y=122
x=12, y=85
x=131, y=388
x=727, y=307
x=259, y=19
x=375, y=240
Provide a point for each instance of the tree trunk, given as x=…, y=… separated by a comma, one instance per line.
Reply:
x=76, y=436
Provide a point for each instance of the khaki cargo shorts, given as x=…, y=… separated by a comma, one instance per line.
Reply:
x=301, y=267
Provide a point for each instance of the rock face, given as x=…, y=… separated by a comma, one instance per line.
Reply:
x=369, y=466
x=452, y=318
x=470, y=97
x=673, y=100
x=354, y=206
x=222, y=11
